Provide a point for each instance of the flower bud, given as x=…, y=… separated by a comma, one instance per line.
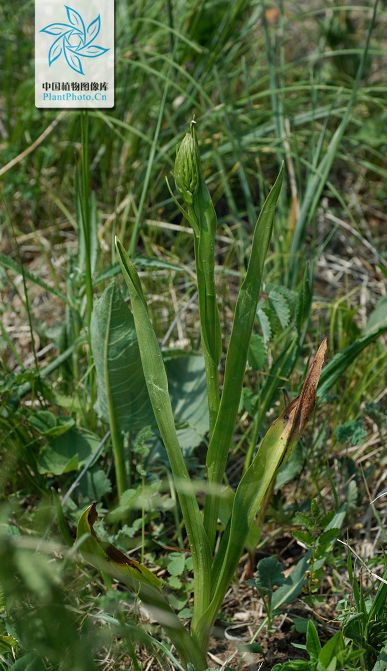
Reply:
x=187, y=167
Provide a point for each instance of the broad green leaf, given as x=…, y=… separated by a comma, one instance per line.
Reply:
x=49, y=424
x=381, y=662
x=95, y=484
x=122, y=394
x=67, y=452
x=188, y=392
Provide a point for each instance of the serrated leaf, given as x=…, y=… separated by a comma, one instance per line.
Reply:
x=265, y=324
x=328, y=536
x=257, y=352
x=304, y=537
x=304, y=519
x=269, y=575
x=352, y=432
x=280, y=306
x=176, y=563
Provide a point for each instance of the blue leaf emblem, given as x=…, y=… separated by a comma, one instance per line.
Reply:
x=74, y=62
x=55, y=50
x=57, y=29
x=73, y=40
x=75, y=19
x=93, y=29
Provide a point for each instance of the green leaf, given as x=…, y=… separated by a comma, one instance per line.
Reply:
x=292, y=589
x=330, y=651
x=257, y=352
x=47, y=424
x=352, y=432
x=328, y=536
x=67, y=452
x=280, y=306
x=265, y=325
x=304, y=537
x=122, y=394
x=188, y=392
x=29, y=662
x=138, y=578
x=7, y=644
x=269, y=575
x=176, y=563
x=95, y=484
x=157, y=384
x=381, y=662
x=378, y=317
x=340, y=362
x=92, y=547
x=294, y=665
x=313, y=644
x=304, y=298
x=244, y=317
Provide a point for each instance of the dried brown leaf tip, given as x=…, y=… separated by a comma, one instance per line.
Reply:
x=299, y=410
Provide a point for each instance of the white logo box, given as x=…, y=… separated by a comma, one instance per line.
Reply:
x=74, y=53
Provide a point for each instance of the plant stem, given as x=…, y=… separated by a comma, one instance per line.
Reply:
x=85, y=211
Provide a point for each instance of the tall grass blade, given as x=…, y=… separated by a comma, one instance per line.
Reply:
x=245, y=312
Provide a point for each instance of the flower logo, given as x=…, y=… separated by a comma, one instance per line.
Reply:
x=74, y=40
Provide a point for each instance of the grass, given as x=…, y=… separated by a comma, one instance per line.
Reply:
x=267, y=83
